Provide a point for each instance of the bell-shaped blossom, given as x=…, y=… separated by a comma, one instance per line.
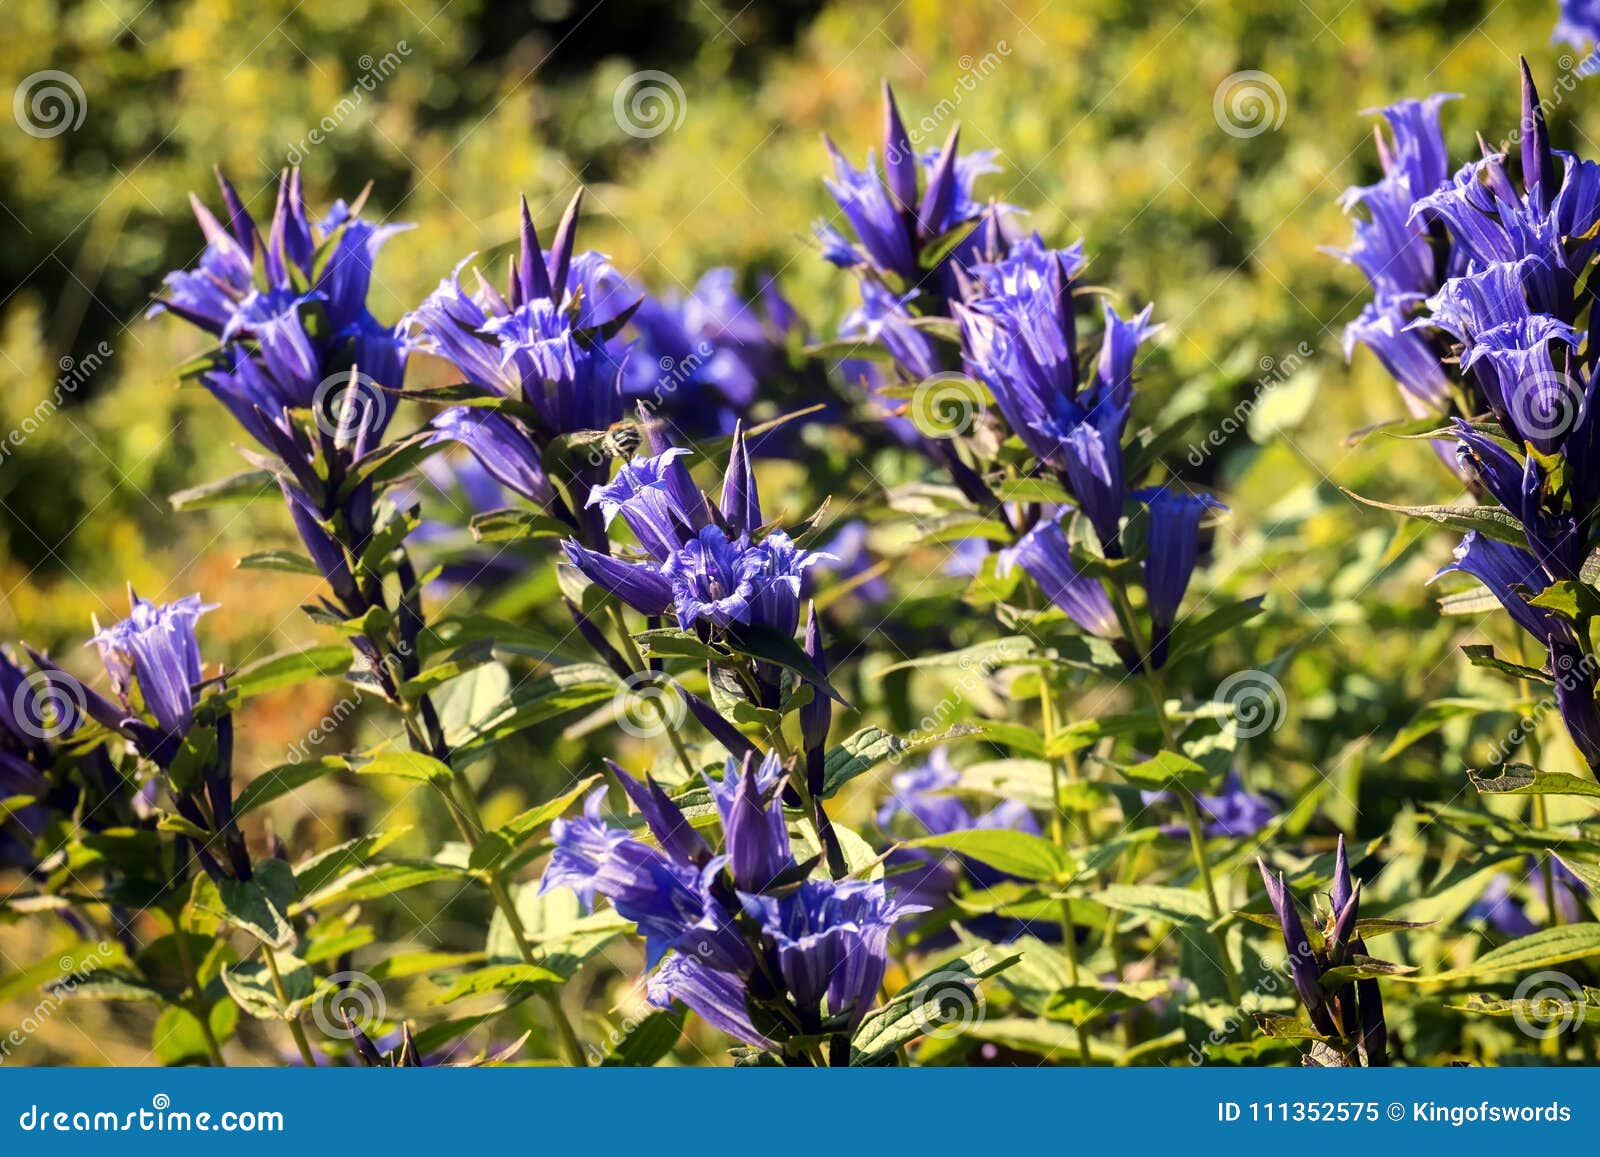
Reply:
x=155, y=648
x=1047, y=558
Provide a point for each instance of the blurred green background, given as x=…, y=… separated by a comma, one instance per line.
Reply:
x=1103, y=115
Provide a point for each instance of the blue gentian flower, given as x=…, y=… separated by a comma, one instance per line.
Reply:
x=882, y=317
x=712, y=572
x=274, y=356
x=1578, y=25
x=750, y=804
x=155, y=647
x=1234, y=812
x=892, y=225
x=708, y=349
x=706, y=918
x=1513, y=576
x=1045, y=554
x=832, y=940
x=545, y=342
x=1173, y=547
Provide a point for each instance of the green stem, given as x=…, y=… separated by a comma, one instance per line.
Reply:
x=641, y=667
x=199, y=1010
x=1156, y=687
x=1541, y=819
x=295, y=1028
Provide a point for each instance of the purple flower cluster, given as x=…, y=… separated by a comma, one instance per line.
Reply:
x=1013, y=299
x=1509, y=304
x=707, y=564
x=740, y=935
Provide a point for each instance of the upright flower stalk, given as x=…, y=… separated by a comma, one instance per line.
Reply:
x=970, y=307
x=307, y=370
x=1503, y=326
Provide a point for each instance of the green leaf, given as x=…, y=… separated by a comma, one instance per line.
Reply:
x=932, y=254
x=1194, y=633
x=1434, y=716
x=1080, y=1005
x=947, y=994
x=251, y=985
x=496, y=978
x=671, y=643
x=257, y=905
x=404, y=964
x=1482, y=655
x=870, y=746
x=1494, y=522
x=648, y=1041
x=563, y=690
x=508, y=837
x=992, y=655
x=1540, y=950
x=412, y=765
x=1573, y=601
x=772, y=646
x=179, y=1038
x=1166, y=770
x=283, y=779
x=313, y=874
x=1015, y=853
x=286, y=669
x=516, y=526
x=1171, y=905
x=1521, y=779
x=378, y=880
x=288, y=561
x=236, y=489
x=1577, y=1006
x=1362, y=968
x=108, y=984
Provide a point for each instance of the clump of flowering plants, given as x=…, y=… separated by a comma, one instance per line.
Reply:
x=951, y=759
